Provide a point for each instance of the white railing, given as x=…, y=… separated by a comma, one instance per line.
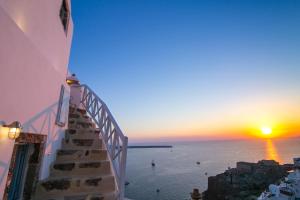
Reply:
x=114, y=139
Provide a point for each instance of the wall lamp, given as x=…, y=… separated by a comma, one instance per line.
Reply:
x=12, y=130
x=71, y=80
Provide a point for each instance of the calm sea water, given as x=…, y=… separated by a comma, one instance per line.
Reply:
x=176, y=172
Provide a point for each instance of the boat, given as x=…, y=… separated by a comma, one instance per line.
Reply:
x=153, y=163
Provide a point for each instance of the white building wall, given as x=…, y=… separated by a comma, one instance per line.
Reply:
x=34, y=53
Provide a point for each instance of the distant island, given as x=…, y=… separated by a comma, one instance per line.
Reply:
x=246, y=181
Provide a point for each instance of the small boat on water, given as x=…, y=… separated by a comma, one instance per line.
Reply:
x=153, y=163
x=198, y=162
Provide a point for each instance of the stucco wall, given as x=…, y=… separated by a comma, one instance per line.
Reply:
x=40, y=22
x=34, y=55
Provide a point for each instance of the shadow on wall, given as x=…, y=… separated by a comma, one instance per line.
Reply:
x=44, y=123
x=6, y=148
x=3, y=170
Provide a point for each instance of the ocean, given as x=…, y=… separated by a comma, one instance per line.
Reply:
x=176, y=172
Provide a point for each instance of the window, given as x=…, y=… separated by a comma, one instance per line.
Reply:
x=64, y=15
x=62, y=108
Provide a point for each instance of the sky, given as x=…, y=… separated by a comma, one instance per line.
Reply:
x=192, y=69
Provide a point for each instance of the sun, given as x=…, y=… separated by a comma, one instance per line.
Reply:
x=266, y=130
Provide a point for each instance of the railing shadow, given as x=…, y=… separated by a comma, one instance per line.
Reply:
x=4, y=170
x=44, y=123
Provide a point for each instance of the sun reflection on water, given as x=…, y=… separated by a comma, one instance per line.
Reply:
x=271, y=151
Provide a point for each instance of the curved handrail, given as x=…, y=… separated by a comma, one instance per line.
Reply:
x=115, y=141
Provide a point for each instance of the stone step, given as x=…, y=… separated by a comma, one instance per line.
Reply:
x=84, y=196
x=77, y=115
x=77, y=110
x=83, y=155
x=81, y=120
x=108, y=196
x=78, y=144
x=76, y=187
x=80, y=168
x=77, y=124
x=86, y=135
x=71, y=131
x=82, y=130
x=74, y=115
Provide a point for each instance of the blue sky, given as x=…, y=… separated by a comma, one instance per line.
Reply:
x=174, y=68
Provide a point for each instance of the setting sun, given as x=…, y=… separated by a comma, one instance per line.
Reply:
x=266, y=130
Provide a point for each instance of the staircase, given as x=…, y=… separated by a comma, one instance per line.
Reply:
x=82, y=169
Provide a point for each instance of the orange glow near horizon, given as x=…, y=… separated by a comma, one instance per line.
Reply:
x=245, y=124
x=223, y=133
x=271, y=151
x=246, y=120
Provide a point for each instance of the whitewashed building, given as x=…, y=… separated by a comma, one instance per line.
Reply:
x=35, y=42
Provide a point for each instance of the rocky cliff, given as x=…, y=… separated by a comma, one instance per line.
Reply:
x=246, y=181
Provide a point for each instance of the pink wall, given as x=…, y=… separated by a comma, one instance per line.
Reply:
x=34, y=54
x=40, y=22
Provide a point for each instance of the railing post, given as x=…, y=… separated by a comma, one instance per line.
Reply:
x=123, y=168
x=114, y=138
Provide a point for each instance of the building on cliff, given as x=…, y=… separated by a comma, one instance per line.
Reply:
x=37, y=160
x=288, y=189
x=246, y=181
